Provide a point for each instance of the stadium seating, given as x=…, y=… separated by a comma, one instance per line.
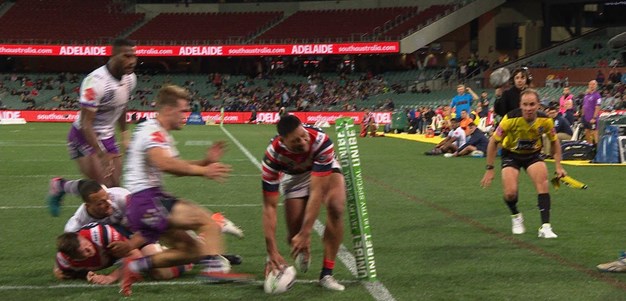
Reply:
x=333, y=25
x=412, y=24
x=34, y=21
x=185, y=27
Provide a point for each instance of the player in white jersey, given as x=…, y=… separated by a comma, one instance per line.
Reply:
x=104, y=96
x=154, y=214
x=107, y=205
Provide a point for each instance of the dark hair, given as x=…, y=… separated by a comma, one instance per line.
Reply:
x=67, y=243
x=119, y=43
x=287, y=124
x=87, y=188
x=525, y=72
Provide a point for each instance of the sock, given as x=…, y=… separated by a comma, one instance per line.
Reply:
x=179, y=270
x=70, y=187
x=140, y=265
x=327, y=268
x=512, y=205
x=543, y=202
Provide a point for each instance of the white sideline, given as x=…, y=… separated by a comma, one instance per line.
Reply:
x=149, y=283
x=376, y=289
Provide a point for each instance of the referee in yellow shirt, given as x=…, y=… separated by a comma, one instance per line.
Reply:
x=519, y=134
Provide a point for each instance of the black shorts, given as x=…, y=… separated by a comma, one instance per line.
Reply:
x=519, y=161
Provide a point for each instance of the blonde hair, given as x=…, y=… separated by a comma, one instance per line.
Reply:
x=170, y=94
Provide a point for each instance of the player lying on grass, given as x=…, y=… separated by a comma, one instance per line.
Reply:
x=108, y=205
x=82, y=253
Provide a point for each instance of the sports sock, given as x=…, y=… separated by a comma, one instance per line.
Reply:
x=543, y=202
x=512, y=205
x=70, y=187
x=141, y=264
x=327, y=268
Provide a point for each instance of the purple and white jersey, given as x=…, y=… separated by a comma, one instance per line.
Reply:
x=117, y=195
x=107, y=96
x=139, y=174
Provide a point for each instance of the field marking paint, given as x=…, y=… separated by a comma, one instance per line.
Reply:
x=375, y=288
x=74, y=207
x=151, y=283
x=592, y=273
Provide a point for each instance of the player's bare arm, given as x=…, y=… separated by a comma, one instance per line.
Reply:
x=275, y=260
x=492, y=149
x=555, y=148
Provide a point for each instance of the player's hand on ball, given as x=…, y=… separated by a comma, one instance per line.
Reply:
x=275, y=262
x=217, y=171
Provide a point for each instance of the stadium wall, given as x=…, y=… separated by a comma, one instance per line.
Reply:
x=209, y=117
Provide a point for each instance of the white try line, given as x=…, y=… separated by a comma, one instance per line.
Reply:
x=376, y=289
x=150, y=283
x=81, y=176
x=74, y=207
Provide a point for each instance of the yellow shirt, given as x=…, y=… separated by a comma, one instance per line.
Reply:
x=519, y=136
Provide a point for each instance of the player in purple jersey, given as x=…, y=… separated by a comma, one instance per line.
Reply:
x=591, y=112
x=104, y=95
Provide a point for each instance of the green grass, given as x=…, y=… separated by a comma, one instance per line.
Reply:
x=437, y=234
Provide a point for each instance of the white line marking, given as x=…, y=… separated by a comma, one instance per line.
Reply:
x=74, y=207
x=375, y=288
x=151, y=283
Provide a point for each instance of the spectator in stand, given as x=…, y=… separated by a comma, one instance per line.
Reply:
x=484, y=104
x=600, y=78
x=463, y=99
x=562, y=127
x=566, y=105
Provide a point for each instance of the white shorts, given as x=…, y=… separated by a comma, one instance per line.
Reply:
x=297, y=186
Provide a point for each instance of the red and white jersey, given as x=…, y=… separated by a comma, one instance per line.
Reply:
x=278, y=159
x=108, y=97
x=100, y=236
x=139, y=172
x=368, y=118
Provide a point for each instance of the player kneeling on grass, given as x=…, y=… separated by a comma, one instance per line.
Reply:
x=520, y=134
x=82, y=253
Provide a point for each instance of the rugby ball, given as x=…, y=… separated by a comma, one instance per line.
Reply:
x=277, y=281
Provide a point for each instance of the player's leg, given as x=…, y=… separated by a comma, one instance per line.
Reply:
x=209, y=244
x=510, y=175
x=296, y=194
x=467, y=150
x=333, y=233
x=538, y=173
x=163, y=273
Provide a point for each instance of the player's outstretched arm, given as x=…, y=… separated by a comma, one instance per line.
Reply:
x=275, y=260
x=161, y=158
